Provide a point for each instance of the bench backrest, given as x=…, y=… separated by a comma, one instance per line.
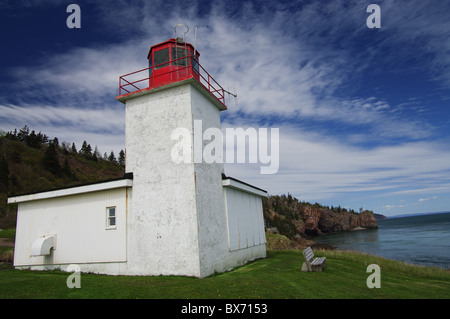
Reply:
x=308, y=254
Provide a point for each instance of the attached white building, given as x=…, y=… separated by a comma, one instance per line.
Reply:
x=163, y=217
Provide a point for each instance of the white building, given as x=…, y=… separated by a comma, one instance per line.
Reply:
x=163, y=217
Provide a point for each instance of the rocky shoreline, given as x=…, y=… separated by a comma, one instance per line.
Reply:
x=310, y=221
x=322, y=221
x=301, y=222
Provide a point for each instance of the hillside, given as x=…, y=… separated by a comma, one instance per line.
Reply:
x=379, y=216
x=32, y=162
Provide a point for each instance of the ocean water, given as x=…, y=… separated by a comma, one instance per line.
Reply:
x=420, y=239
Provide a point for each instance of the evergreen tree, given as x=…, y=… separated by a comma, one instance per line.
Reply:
x=4, y=173
x=96, y=155
x=23, y=134
x=74, y=149
x=15, y=156
x=15, y=132
x=122, y=158
x=86, y=150
x=83, y=148
x=42, y=138
x=65, y=148
x=33, y=140
x=50, y=160
x=56, y=142
x=111, y=157
x=89, y=151
x=66, y=168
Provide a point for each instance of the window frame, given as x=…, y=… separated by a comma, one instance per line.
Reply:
x=184, y=53
x=163, y=55
x=109, y=217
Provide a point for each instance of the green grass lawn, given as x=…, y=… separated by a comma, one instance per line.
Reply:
x=276, y=277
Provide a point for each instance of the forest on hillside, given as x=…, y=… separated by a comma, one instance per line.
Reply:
x=31, y=161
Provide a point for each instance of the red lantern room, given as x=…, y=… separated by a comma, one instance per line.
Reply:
x=169, y=62
x=172, y=61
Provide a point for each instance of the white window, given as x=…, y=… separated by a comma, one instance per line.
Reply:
x=111, y=217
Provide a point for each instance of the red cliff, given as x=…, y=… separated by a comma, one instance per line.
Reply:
x=295, y=219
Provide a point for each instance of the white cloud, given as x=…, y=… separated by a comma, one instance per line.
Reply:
x=319, y=167
x=83, y=72
x=104, y=127
x=427, y=199
x=105, y=119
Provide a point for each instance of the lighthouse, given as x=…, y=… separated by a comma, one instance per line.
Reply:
x=178, y=213
x=179, y=221
x=169, y=217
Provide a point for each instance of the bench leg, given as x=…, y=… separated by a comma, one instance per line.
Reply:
x=304, y=267
x=319, y=268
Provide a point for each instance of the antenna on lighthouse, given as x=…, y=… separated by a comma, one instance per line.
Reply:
x=195, y=42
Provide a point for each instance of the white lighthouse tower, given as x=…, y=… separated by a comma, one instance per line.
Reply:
x=178, y=223
x=164, y=217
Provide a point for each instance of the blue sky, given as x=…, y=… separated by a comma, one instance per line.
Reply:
x=363, y=113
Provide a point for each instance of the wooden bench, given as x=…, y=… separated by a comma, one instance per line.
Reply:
x=311, y=263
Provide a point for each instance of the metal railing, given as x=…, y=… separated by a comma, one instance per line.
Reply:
x=170, y=72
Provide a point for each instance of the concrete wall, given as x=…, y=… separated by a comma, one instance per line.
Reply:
x=178, y=224
x=163, y=230
x=79, y=223
x=211, y=215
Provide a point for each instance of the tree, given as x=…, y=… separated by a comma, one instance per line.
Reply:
x=74, y=149
x=96, y=154
x=65, y=147
x=50, y=160
x=111, y=157
x=86, y=150
x=12, y=135
x=33, y=140
x=23, y=134
x=42, y=138
x=83, y=148
x=15, y=156
x=66, y=168
x=4, y=172
x=122, y=158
